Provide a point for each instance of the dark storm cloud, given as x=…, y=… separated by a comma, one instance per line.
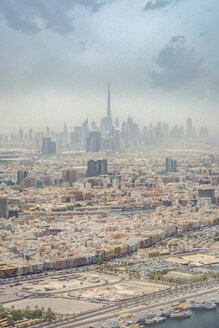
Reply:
x=31, y=16
x=177, y=66
x=159, y=4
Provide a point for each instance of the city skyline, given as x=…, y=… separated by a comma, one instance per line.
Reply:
x=56, y=61
x=58, y=126
x=105, y=121
x=109, y=163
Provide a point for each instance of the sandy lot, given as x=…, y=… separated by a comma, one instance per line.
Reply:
x=76, y=281
x=195, y=259
x=123, y=290
x=58, y=305
x=177, y=274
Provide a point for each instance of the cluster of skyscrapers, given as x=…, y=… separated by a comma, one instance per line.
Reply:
x=108, y=136
x=114, y=137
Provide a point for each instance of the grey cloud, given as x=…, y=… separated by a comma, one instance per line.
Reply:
x=83, y=45
x=31, y=16
x=177, y=66
x=159, y=4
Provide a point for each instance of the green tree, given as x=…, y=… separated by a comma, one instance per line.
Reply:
x=49, y=315
x=3, y=315
x=17, y=314
x=37, y=314
x=10, y=321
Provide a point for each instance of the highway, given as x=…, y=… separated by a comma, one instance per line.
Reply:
x=108, y=312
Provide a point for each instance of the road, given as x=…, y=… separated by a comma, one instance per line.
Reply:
x=106, y=313
x=68, y=292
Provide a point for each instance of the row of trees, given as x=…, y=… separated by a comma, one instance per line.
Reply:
x=14, y=315
x=162, y=275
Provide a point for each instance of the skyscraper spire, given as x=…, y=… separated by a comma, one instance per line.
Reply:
x=108, y=103
x=65, y=129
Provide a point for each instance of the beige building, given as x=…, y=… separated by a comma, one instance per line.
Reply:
x=147, y=253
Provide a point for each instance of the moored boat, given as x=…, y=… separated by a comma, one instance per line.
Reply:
x=210, y=306
x=204, y=306
x=141, y=321
x=154, y=321
x=180, y=315
x=166, y=313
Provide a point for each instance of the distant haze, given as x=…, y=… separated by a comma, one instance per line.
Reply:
x=161, y=58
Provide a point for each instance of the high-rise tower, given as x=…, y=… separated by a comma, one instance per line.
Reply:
x=65, y=131
x=189, y=127
x=109, y=103
x=3, y=207
x=106, y=125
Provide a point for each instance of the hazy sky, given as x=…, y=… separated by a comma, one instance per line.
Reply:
x=57, y=56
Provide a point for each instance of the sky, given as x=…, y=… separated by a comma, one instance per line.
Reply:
x=161, y=58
